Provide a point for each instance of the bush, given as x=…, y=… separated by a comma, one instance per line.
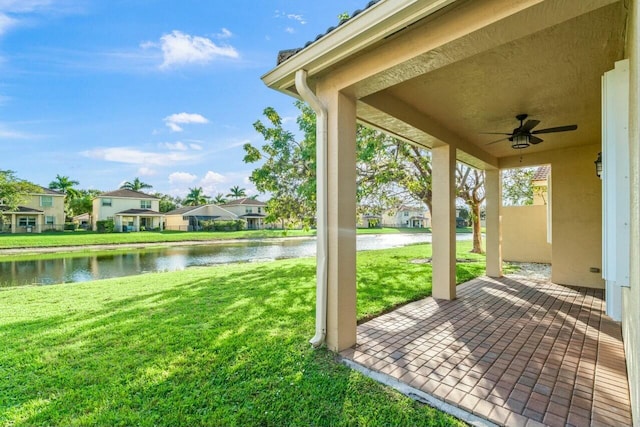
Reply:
x=105, y=226
x=234, y=225
x=70, y=226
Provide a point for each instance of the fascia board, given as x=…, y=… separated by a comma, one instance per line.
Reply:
x=372, y=25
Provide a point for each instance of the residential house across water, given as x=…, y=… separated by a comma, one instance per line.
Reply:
x=43, y=210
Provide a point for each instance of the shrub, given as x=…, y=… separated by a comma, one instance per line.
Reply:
x=105, y=226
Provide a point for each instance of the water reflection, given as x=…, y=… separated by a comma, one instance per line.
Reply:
x=93, y=267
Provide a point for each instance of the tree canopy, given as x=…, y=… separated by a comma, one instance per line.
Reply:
x=14, y=191
x=236, y=192
x=196, y=197
x=135, y=185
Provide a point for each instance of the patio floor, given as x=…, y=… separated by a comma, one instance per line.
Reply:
x=514, y=351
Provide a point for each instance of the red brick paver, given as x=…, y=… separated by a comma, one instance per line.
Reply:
x=514, y=351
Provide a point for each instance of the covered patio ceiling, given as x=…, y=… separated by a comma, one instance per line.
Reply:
x=545, y=60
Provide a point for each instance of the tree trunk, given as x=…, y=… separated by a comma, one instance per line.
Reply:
x=477, y=234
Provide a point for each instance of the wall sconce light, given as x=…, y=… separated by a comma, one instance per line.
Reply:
x=598, y=163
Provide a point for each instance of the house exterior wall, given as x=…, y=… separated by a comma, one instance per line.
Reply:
x=118, y=204
x=631, y=295
x=576, y=212
x=402, y=217
x=56, y=211
x=526, y=243
x=176, y=222
x=240, y=210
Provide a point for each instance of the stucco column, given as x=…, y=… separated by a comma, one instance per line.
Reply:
x=444, y=222
x=14, y=223
x=341, y=219
x=136, y=223
x=493, y=225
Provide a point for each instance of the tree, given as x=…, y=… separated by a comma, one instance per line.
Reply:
x=470, y=188
x=168, y=202
x=195, y=197
x=135, y=185
x=14, y=191
x=236, y=192
x=219, y=199
x=65, y=185
x=83, y=202
x=516, y=186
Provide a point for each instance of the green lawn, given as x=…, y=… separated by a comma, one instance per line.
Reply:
x=223, y=345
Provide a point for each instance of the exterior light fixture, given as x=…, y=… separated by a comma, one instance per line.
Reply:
x=520, y=141
x=598, y=163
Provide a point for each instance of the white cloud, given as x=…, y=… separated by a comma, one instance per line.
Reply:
x=224, y=34
x=296, y=17
x=137, y=157
x=290, y=30
x=7, y=133
x=177, y=146
x=6, y=22
x=179, y=48
x=174, y=120
x=196, y=147
x=145, y=171
x=211, y=181
x=182, y=178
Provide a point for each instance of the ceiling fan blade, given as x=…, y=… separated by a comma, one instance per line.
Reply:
x=501, y=139
x=529, y=125
x=494, y=133
x=535, y=140
x=556, y=129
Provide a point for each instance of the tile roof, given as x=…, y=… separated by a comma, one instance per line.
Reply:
x=183, y=210
x=541, y=173
x=139, y=212
x=50, y=191
x=245, y=201
x=122, y=192
x=283, y=55
x=21, y=209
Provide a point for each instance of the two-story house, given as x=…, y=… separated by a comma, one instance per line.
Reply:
x=43, y=210
x=251, y=210
x=406, y=216
x=129, y=210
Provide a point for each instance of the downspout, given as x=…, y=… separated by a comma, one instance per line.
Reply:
x=321, y=200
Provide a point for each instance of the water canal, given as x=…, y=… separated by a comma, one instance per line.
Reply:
x=86, y=267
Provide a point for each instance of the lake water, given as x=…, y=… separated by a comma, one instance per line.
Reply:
x=138, y=261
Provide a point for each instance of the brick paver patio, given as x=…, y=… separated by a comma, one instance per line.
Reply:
x=514, y=351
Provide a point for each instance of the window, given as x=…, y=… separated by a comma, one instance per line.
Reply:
x=248, y=210
x=145, y=204
x=50, y=220
x=259, y=210
x=106, y=202
x=46, y=201
x=405, y=213
x=27, y=221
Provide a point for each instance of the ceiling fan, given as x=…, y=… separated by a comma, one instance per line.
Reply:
x=523, y=136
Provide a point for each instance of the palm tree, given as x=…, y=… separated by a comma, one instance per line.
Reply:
x=195, y=197
x=219, y=199
x=236, y=192
x=65, y=185
x=136, y=185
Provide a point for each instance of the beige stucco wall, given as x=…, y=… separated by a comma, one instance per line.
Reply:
x=631, y=295
x=576, y=217
x=524, y=234
x=175, y=222
x=57, y=210
x=576, y=212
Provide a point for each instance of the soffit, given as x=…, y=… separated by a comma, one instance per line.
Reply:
x=553, y=75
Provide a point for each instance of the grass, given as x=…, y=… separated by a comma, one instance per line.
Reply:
x=223, y=345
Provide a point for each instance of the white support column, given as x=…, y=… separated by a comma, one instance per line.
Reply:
x=494, y=226
x=14, y=223
x=341, y=219
x=136, y=223
x=444, y=222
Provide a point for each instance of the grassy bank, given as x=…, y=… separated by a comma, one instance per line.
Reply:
x=84, y=238
x=223, y=345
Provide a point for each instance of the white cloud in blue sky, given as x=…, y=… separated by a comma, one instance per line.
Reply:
x=179, y=49
x=99, y=88
x=174, y=121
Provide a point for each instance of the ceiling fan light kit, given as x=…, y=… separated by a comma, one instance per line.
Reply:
x=523, y=136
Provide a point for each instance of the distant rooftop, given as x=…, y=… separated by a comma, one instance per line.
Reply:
x=122, y=192
x=542, y=173
x=245, y=201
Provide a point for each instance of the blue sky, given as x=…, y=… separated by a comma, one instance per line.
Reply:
x=104, y=91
